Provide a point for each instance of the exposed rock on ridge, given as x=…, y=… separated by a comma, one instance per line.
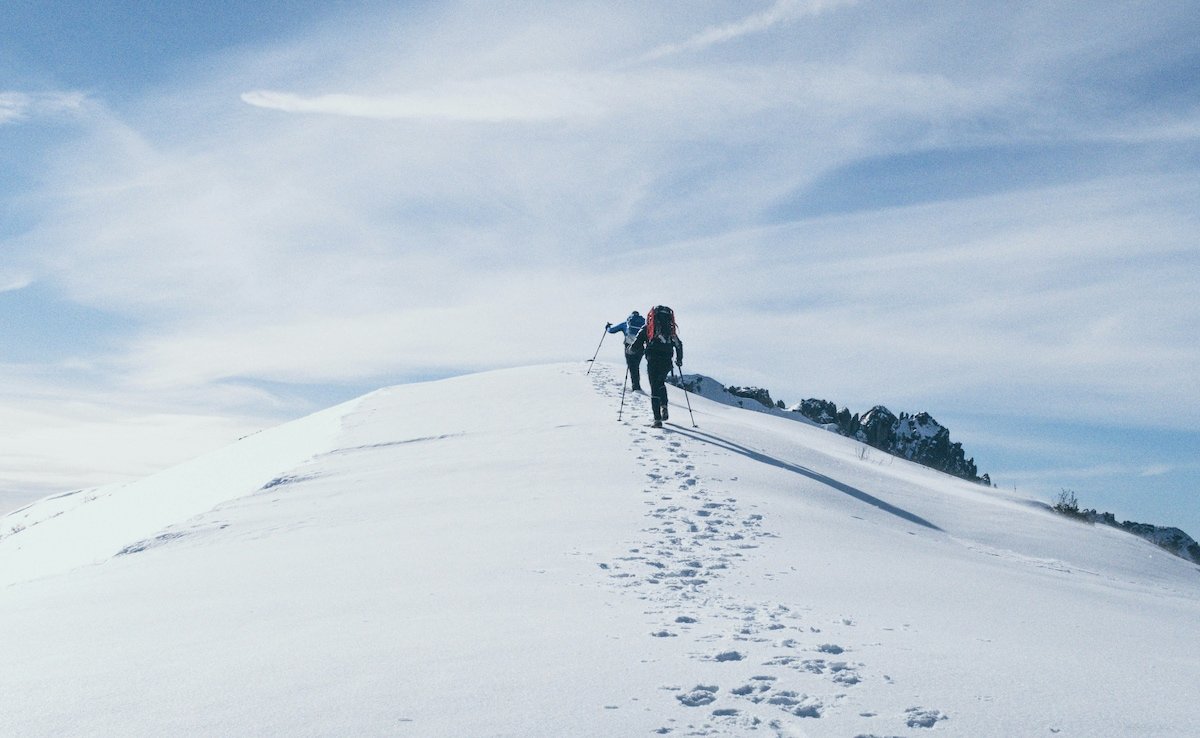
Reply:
x=917, y=438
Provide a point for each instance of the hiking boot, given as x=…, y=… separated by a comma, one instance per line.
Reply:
x=656, y=424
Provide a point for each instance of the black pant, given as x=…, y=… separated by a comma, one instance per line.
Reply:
x=634, y=361
x=658, y=366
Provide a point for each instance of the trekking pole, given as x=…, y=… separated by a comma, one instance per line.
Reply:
x=685, y=395
x=592, y=360
x=623, y=383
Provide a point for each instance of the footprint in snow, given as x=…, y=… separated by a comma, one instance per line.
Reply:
x=920, y=717
x=843, y=672
x=800, y=705
x=699, y=696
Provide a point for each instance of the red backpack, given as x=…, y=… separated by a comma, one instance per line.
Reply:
x=660, y=324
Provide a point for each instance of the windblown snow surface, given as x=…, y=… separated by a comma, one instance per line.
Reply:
x=497, y=555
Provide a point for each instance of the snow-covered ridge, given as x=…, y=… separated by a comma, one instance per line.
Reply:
x=89, y=526
x=497, y=555
x=1170, y=538
x=917, y=438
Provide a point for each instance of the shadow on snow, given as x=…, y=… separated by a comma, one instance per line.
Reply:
x=854, y=492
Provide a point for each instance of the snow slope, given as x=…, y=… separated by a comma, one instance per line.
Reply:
x=495, y=555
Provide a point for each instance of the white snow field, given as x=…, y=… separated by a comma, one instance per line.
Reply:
x=497, y=555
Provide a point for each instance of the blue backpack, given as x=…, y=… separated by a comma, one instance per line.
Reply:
x=633, y=326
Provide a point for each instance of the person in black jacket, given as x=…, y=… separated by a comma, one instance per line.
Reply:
x=661, y=343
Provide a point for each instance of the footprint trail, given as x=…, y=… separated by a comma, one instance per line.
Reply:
x=780, y=672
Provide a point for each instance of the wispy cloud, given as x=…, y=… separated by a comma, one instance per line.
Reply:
x=523, y=98
x=1156, y=470
x=1052, y=474
x=373, y=226
x=782, y=11
x=12, y=107
x=18, y=106
x=12, y=281
x=456, y=195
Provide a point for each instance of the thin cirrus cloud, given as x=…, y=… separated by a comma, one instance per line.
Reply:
x=13, y=281
x=839, y=217
x=18, y=106
x=532, y=194
x=563, y=94
x=783, y=11
x=527, y=98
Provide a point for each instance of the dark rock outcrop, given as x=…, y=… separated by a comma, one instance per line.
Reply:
x=758, y=394
x=917, y=438
x=878, y=427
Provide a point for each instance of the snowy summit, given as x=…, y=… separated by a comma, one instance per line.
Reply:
x=497, y=555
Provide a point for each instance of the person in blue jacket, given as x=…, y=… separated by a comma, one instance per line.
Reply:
x=632, y=326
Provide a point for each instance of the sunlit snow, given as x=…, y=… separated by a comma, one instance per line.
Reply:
x=497, y=555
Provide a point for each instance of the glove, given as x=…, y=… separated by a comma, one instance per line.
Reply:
x=607, y=326
x=679, y=364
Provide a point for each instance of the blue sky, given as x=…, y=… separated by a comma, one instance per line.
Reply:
x=214, y=221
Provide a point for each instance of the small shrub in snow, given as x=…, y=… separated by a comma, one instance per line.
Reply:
x=1068, y=504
